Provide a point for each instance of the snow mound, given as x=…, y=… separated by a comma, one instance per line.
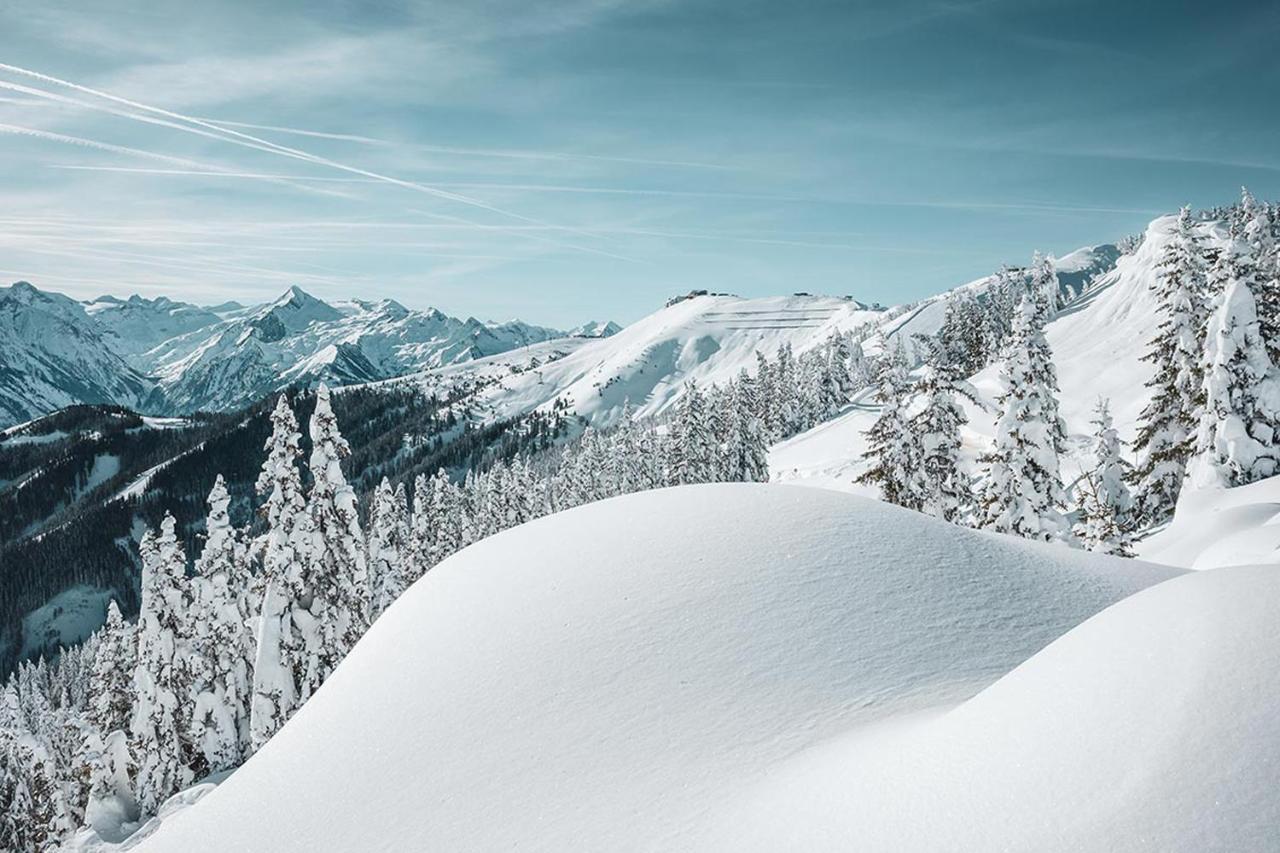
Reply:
x=610, y=677
x=1221, y=527
x=1149, y=727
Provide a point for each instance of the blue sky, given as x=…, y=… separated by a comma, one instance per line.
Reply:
x=588, y=158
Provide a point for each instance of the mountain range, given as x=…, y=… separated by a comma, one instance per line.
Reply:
x=166, y=357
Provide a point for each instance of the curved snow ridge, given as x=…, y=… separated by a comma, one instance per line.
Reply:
x=1149, y=727
x=610, y=677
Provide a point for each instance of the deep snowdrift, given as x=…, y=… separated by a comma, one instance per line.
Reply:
x=1150, y=727
x=618, y=676
x=1221, y=527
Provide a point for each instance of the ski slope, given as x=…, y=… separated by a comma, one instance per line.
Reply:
x=622, y=676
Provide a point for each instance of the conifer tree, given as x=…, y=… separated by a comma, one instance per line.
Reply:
x=333, y=552
x=1024, y=494
x=1236, y=441
x=111, y=683
x=221, y=696
x=279, y=654
x=891, y=444
x=939, y=485
x=1106, y=507
x=1166, y=427
x=386, y=550
x=161, y=677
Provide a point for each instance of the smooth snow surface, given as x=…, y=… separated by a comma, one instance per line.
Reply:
x=620, y=676
x=1151, y=727
x=1221, y=527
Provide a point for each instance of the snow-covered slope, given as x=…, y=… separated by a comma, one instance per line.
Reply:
x=1150, y=727
x=135, y=325
x=618, y=676
x=1098, y=340
x=52, y=355
x=1221, y=527
x=703, y=339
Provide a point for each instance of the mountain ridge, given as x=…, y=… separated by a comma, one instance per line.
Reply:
x=166, y=357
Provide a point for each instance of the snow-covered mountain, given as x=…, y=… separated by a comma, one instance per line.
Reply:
x=166, y=357
x=52, y=354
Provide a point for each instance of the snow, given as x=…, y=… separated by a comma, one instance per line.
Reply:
x=1098, y=340
x=1149, y=727
x=704, y=339
x=619, y=676
x=64, y=620
x=1221, y=527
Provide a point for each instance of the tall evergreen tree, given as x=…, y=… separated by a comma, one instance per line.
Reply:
x=333, y=551
x=279, y=655
x=1106, y=507
x=222, y=693
x=939, y=485
x=387, y=574
x=1166, y=427
x=161, y=678
x=892, y=447
x=1024, y=494
x=1236, y=442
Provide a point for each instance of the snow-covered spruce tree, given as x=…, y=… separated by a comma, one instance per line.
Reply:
x=939, y=485
x=963, y=334
x=1259, y=264
x=1024, y=494
x=161, y=677
x=692, y=447
x=747, y=451
x=1166, y=427
x=1107, y=521
x=444, y=510
x=1236, y=442
x=105, y=753
x=279, y=650
x=1045, y=287
x=221, y=641
x=387, y=575
x=892, y=445
x=333, y=552
x=111, y=682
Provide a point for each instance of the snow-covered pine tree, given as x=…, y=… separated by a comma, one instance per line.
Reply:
x=1107, y=522
x=1044, y=284
x=164, y=755
x=221, y=641
x=1166, y=427
x=692, y=448
x=333, y=553
x=111, y=682
x=1024, y=494
x=1236, y=442
x=444, y=512
x=748, y=451
x=939, y=485
x=279, y=653
x=34, y=814
x=387, y=574
x=1259, y=264
x=892, y=447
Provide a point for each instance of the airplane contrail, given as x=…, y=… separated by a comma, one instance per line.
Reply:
x=246, y=140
